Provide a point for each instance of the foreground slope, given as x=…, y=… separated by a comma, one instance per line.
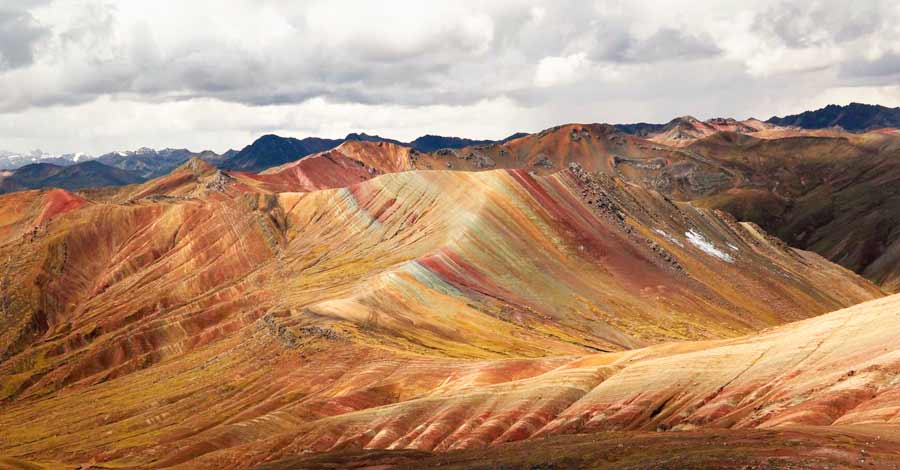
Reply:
x=209, y=322
x=797, y=448
x=828, y=389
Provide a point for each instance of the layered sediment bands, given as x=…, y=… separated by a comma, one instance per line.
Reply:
x=451, y=257
x=121, y=287
x=347, y=164
x=806, y=448
x=841, y=369
x=211, y=323
x=822, y=190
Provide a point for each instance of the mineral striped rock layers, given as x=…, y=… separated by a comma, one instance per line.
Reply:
x=375, y=298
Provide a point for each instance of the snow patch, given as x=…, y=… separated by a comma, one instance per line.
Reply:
x=668, y=237
x=733, y=248
x=698, y=240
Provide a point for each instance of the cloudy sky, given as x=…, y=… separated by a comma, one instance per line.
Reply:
x=97, y=75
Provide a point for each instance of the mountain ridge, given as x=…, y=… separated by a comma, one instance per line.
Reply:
x=82, y=175
x=855, y=117
x=232, y=325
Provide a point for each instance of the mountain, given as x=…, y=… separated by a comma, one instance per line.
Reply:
x=430, y=143
x=363, y=137
x=232, y=325
x=34, y=174
x=852, y=117
x=146, y=162
x=820, y=190
x=271, y=150
x=687, y=129
x=823, y=193
x=88, y=174
x=12, y=160
x=351, y=162
x=640, y=129
x=578, y=297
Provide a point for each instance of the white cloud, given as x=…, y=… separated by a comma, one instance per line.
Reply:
x=205, y=123
x=537, y=14
x=553, y=71
x=126, y=73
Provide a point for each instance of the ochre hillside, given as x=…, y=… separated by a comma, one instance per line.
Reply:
x=204, y=317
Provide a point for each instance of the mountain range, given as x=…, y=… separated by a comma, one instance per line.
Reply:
x=699, y=294
x=853, y=117
x=87, y=174
x=267, y=151
x=271, y=150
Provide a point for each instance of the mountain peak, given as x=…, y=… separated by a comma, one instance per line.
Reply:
x=196, y=165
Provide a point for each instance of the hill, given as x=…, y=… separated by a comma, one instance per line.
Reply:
x=563, y=298
x=820, y=190
x=223, y=321
x=813, y=394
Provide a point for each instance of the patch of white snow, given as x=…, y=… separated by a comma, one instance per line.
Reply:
x=668, y=237
x=698, y=240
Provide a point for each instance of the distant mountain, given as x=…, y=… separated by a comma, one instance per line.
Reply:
x=853, y=117
x=640, y=129
x=32, y=175
x=215, y=158
x=430, y=143
x=684, y=130
x=363, y=137
x=515, y=136
x=13, y=160
x=146, y=162
x=89, y=174
x=272, y=150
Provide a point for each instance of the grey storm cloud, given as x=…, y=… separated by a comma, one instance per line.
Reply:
x=665, y=44
x=19, y=35
x=453, y=56
x=805, y=24
x=506, y=65
x=885, y=69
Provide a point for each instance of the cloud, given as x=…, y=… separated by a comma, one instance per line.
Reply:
x=882, y=70
x=822, y=22
x=668, y=44
x=19, y=36
x=545, y=62
x=206, y=123
x=553, y=71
